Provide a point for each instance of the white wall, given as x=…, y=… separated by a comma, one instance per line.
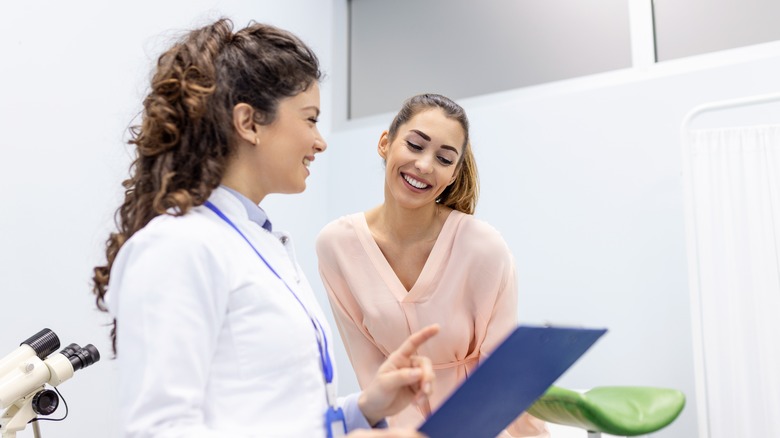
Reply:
x=583, y=178
x=73, y=77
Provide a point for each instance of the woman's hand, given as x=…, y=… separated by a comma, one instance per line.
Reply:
x=402, y=378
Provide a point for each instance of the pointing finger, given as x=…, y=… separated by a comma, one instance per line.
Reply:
x=410, y=345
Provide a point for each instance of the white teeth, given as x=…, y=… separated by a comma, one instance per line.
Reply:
x=306, y=162
x=414, y=182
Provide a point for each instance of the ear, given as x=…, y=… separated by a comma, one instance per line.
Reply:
x=244, y=122
x=384, y=145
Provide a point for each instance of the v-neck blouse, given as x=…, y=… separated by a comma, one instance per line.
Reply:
x=467, y=286
x=421, y=289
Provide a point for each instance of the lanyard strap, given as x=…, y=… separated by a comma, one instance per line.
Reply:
x=322, y=340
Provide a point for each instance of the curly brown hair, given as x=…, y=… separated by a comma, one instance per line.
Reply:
x=186, y=133
x=463, y=193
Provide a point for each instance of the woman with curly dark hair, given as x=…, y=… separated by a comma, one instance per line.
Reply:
x=216, y=330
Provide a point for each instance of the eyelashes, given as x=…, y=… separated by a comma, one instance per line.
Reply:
x=417, y=148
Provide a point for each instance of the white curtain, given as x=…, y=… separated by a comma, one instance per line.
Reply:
x=732, y=178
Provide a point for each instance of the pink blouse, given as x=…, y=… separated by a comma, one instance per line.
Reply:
x=467, y=286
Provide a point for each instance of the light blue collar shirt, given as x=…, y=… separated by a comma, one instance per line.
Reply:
x=256, y=214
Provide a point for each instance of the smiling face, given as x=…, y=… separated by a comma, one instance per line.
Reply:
x=422, y=159
x=275, y=158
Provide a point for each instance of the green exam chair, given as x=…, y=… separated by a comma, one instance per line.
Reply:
x=614, y=410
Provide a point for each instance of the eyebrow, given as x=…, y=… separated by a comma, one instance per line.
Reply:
x=312, y=107
x=422, y=134
x=426, y=137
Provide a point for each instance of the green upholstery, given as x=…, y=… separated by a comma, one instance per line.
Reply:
x=615, y=410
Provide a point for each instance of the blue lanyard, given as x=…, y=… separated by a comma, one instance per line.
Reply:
x=322, y=340
x=334, y=417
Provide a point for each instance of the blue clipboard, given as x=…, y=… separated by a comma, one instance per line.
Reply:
x=512, y=378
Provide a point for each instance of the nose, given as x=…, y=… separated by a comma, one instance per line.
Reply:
x=319, y=143
x=424, y=164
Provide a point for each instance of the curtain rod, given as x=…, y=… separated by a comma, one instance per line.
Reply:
x=728, y=104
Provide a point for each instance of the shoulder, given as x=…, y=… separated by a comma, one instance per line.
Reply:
x=190, y=235
x=477, y=230
x=337, y=231
x=194, y=226
x=172, y=255
x=479, y=237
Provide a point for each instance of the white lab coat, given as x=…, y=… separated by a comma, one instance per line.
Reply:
x=210, y=343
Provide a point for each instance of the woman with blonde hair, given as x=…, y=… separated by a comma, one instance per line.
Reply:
x=421, y=257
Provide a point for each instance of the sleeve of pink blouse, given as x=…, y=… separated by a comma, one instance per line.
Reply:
x=503, y=318
x=363, y=354
x=502, y=321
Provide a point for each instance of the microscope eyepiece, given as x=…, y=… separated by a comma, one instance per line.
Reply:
x=83, y=357
x=70, y=350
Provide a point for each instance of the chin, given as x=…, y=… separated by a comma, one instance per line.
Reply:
x=299, y=188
